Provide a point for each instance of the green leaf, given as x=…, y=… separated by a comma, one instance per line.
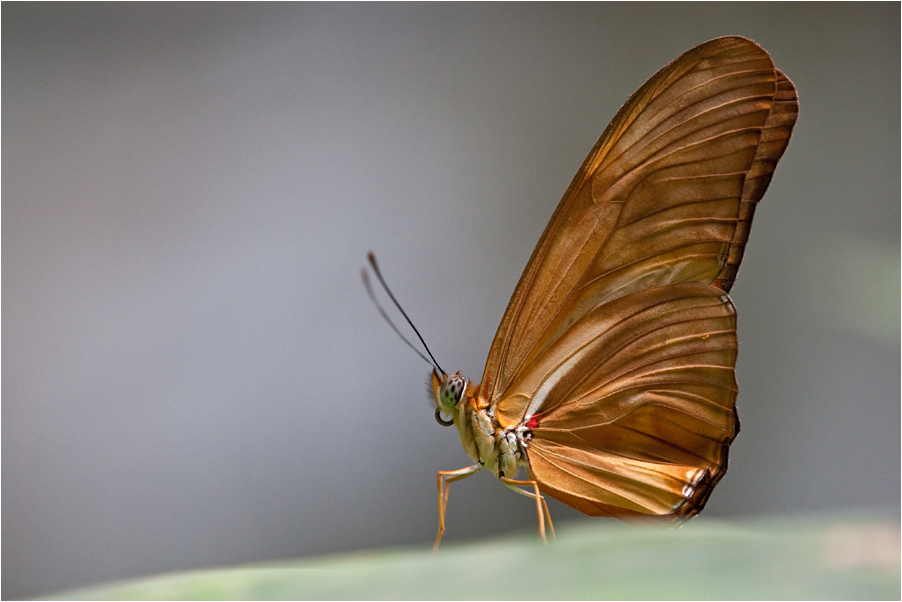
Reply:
x=801, y=558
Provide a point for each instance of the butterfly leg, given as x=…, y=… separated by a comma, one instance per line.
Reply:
x=445, y=478
x=540, y=503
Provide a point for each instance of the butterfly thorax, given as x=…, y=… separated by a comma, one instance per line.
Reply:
x=500, y=450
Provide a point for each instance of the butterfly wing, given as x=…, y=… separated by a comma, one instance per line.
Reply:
x=635, y=403
x=656, y=219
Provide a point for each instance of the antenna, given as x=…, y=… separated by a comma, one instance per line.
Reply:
x=369, y=289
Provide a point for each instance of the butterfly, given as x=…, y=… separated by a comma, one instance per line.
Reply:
x=610, y=382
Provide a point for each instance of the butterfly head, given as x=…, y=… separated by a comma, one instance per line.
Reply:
x=448, y=391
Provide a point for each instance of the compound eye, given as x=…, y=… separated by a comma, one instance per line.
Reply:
x=452, y=390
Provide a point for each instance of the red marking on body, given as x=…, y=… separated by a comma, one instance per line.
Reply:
x=533, y=422
x=485, y=385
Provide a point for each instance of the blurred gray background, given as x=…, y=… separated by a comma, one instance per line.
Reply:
x=192, y=372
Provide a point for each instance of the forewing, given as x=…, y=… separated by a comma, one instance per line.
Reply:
x=665, y=196
x=774, y=138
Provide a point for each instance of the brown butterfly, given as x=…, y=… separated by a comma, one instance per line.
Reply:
x=611, y=377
